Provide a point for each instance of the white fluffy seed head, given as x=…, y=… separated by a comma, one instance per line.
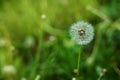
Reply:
x=9, y=69
x=82, y=32
x=73, y=78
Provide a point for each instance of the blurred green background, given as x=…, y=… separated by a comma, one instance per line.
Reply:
x=35, y=42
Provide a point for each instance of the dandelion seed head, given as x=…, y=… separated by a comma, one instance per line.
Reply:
x=82, y=32
x=29, y=42
x=43, y=16
x=73, y=78
x=9, y=69
x=3, y=42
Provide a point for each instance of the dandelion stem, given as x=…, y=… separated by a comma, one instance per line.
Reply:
x=100, y=77
x=78, y=66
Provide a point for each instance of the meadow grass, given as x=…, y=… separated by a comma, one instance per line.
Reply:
x=35, y=43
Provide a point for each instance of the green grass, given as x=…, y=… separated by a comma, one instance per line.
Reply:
x=41, y=49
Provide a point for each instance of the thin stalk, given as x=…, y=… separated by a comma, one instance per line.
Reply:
x=78, y=65
x=100, y=77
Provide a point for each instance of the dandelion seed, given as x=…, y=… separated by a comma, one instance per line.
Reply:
x=82, y=32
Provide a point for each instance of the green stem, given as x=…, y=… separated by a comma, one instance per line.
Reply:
x=78, y=66
x=100, y=77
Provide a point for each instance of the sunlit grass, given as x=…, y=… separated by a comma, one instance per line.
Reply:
x=35, y=42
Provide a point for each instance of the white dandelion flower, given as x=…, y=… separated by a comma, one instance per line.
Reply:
x=82, y=32
x=73, y=78
x=9, y=69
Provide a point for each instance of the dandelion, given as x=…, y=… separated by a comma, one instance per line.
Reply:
x=2, y=42
x=29, y=42
x=43, y=16
x=73, y=78
x=82, y=33
x=9, y=69
x=101, y=72
x=52, y=38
